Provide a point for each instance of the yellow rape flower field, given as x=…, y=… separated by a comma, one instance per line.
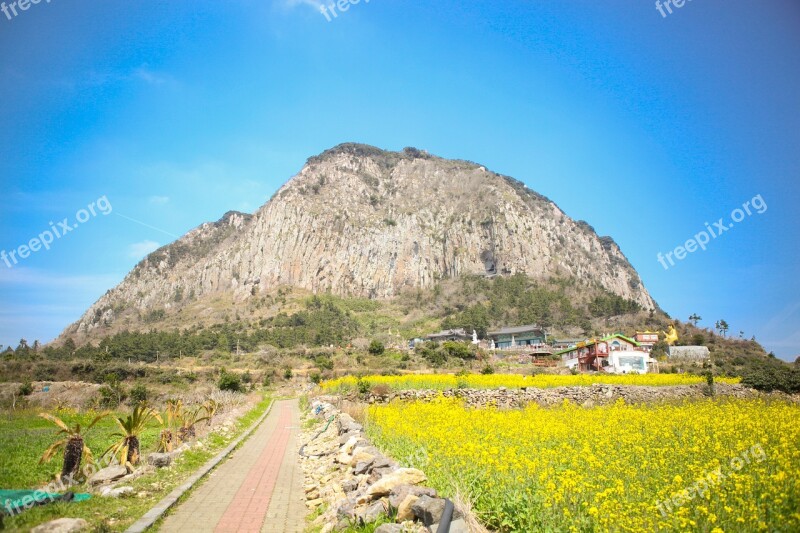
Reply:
x=515, y=381
x=713, y=465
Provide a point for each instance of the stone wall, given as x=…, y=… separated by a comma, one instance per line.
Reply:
x=356, y=484
x=588, y=395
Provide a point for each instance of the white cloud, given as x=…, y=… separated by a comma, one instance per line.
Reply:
x=316, y=4
x=32, y=278
x=138, y=250
x=159, y=200
x=149, y=76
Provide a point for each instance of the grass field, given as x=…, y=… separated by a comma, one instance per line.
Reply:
x=24, y=436
x=714, y=465
x=512, y=381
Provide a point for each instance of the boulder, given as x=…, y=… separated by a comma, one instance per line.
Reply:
x=107, y=475
x=350, y=485
x=62, y=525
x=456, y=526
x=401, y=476
x=347, y=424
x=117, y=492
x=429, y=510
x=389, y=528
x=405, y=510
x=159, y=460
x=399, y=493
x=362, y=467
x=349, y=446
x=374, y=512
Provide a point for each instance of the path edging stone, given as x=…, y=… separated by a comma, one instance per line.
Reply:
x=154, y=514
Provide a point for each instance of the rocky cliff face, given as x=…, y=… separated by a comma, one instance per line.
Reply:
x=359, y=221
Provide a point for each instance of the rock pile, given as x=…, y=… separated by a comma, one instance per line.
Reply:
x=592, y=395
x=351, y=482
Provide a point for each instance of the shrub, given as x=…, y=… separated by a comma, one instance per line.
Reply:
x=26, y=389
x=381, y=389
x=266, y=381
x=316, y=378
x=230, y=382
x=323, y=362
x=363, y=386
x=247, y=378
x=773, y=378
x=139, y=394
x=487, y=370
x=287, y=373
x=376, y=347
x=457, y=349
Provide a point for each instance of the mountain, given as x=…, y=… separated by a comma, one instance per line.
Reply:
x=364, y=222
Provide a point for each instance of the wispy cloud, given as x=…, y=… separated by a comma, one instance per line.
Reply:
x=158, y=200
x=138, y=250
x=316, y=4
x=151, y=77
x=33, y=278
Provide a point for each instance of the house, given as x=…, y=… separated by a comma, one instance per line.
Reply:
x=517, y=337
x=646, y=339
x=616, y=354
x=563, y=344
x=450, y=335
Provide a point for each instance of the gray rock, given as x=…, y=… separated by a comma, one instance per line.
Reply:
x=62, y=525
x=350, y=485
x=347, y=424
x=400, y=492
x=362, y=467
x=107, y=475
x=389, y=528
x=429, y=510
x=118, y=492
x=456, y=526
x=346, y=509
x=374, y=512
x=159, y=460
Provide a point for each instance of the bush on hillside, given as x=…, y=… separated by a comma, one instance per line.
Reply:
x=229, y=382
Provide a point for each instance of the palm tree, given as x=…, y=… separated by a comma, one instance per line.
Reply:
x=172, y=414
x=188, y=420
x=211, y=407
x=73, y=444
x=126, y=449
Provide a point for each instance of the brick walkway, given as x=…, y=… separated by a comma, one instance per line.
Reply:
x=259, y=488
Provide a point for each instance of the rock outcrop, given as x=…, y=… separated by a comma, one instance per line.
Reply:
x=360, y=221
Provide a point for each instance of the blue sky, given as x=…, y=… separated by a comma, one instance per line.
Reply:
x=645, y=126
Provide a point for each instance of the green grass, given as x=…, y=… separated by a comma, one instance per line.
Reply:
x=24, y=436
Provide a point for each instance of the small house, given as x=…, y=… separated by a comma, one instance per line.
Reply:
x=518, y=337
x=450, y=335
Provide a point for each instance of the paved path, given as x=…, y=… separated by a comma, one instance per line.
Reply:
x=258, y=489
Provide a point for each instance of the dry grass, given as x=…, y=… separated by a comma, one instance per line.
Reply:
x=464, y=505
x=357, y=410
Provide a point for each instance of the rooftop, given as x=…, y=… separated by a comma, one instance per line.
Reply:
x=516, y=329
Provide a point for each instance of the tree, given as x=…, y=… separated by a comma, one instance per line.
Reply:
x=230, y=382
x=376, y=347
x=189, y=418
x=139, y=394
x=172, y=414
x=73, y=444
x=695, y=318
x=126, y=449
x=722, y=327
